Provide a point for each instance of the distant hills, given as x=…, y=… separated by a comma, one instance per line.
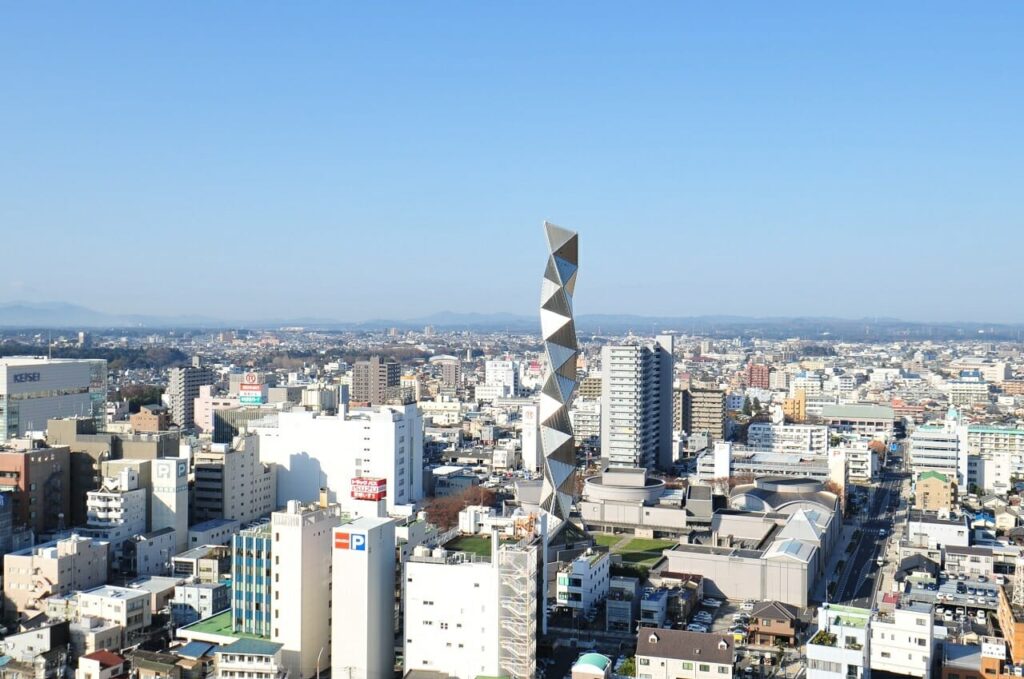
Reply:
x=61, y=315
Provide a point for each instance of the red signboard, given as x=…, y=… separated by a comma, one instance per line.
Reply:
x=369, y=488
x=250, y=387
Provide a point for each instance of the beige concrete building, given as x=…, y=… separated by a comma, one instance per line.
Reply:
x=934, y=491
x=55, y=568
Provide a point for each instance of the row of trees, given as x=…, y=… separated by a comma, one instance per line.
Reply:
x=443, y=512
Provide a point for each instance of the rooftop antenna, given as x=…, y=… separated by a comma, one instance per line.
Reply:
x=49, y=344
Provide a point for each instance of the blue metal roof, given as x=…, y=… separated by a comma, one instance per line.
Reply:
x=250, y=647
x=194, y=649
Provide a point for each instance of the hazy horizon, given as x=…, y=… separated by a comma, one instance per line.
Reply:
x=354, y=162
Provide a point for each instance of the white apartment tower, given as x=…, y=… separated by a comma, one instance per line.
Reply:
x=363, y=599
x=303, y=537
x=317, y=451
x=636, y=404
x=504, y=375
x=116, y=511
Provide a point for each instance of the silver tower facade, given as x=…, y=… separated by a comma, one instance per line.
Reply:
x=560, y=347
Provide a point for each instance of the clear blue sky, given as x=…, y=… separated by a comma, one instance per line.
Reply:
x=361, y=160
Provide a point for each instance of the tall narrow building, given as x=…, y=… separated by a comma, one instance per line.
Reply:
x=560, y=348
x=636, y=404
x=376, y=381
x=183, y=389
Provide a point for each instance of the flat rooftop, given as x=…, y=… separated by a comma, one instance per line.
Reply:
x=219, y=624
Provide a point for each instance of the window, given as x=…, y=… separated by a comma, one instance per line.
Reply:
x=647, y=661
x=722, y=669
x=704, y=668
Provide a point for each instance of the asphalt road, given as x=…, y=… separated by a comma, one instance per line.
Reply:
x=861, y=569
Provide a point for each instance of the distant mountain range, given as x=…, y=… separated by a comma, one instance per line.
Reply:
x=60, y=315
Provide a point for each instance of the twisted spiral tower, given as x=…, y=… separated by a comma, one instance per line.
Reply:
x=560, y=348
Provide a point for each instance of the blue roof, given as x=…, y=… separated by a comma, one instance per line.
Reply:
x=250, y=647
x=194, y=649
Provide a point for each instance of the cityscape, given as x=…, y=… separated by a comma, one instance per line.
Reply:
x=322, y=354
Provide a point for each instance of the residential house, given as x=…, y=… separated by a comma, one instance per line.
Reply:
x=677, y=654
x=773, y=623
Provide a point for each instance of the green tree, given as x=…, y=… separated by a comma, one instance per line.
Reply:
x=747, y=407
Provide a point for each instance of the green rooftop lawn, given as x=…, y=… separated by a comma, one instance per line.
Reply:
x=644, y=551
x=607, y=540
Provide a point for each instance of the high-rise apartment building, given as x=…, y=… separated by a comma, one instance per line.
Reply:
x=703, y=411
x=636, y=404
x=759, y=376
x=376, y=381
x=183, y=389
x=34, y=389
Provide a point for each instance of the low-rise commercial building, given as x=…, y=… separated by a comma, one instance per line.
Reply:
x=583, y=582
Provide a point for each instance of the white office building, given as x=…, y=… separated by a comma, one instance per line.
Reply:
x=129, y=608
x=941, y=447
x=902, y=639
x=504, y=375
x=636, y=404
x=468, y=616
x=233, y=483
x=313, y=451
x=34, y=389
x=584, y=581
x=363, y=599
x=965, y=394
x=840, y=648
x=788, y=438
x=302, y=551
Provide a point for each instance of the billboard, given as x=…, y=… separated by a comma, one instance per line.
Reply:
x=369, y=488
x=250, y=388
x=251, y=399
x=353, y=541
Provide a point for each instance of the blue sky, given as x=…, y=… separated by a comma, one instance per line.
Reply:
x=362, y=160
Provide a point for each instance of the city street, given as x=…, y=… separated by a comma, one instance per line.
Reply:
x=858, y=580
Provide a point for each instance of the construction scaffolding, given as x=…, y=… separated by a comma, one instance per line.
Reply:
x=517, y=616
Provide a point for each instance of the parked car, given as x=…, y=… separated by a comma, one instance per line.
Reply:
x=695, y=627
x=747, y=606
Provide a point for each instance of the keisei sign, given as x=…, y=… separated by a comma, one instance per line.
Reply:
x=20, y=378
x=353, y=541
x=369, y=488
